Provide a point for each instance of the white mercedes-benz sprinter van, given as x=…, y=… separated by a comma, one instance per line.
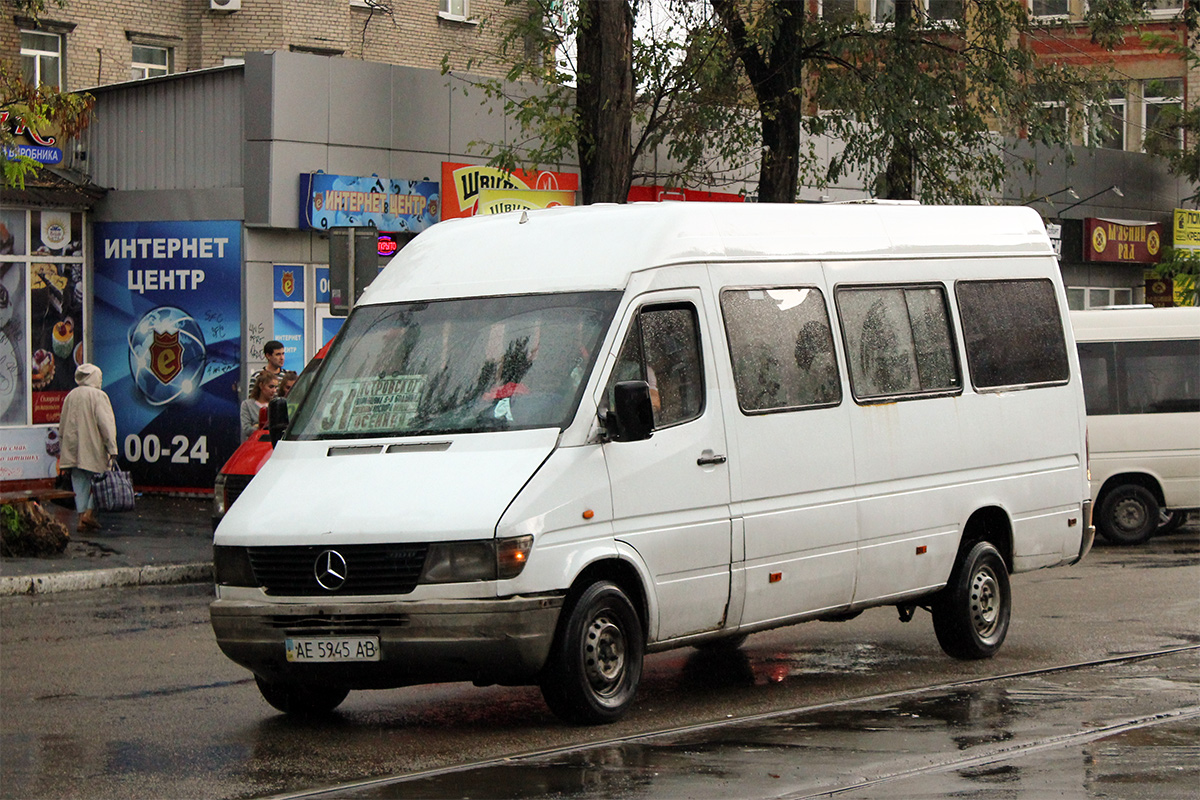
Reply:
x=1141, y=381
x=548, y=443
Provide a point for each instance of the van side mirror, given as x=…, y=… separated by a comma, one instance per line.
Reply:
x=631, y=419
x=277, y=418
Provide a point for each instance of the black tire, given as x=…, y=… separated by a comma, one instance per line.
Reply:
x=595, y=663
x=971, y=615
x=1170, y=522
x=1129, y=515
x=301, y=699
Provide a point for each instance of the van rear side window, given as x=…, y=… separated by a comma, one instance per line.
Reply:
x=1014, y=334
x=898, y=341
x=781, y=349
x=1151, y=377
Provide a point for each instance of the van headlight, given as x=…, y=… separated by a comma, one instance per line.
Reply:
x=219, y=506
x=460, y=562
x=231, y=566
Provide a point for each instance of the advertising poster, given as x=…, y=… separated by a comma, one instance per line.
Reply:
x=29, y=454
x=289, y=329
x=13, y=376
x=289, y=283
x=501, y=201
x=56, y=335
x=168, y=338
x=348, y=201
x=1115, y=241
x=461, y=184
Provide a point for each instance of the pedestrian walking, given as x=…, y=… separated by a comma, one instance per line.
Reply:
x=261, y=392
x=87, y=431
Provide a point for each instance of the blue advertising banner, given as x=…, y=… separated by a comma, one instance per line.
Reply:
x=322, y=277
x=289, y=329
x=289, y=283
x=167, y=322
x=329, y=328
x=346, y=201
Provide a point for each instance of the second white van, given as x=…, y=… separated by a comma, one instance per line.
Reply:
x=1141, y=380
x=548, y=443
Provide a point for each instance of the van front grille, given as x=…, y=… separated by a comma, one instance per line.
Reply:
x=331, y=570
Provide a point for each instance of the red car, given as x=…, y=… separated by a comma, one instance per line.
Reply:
x=248, y=459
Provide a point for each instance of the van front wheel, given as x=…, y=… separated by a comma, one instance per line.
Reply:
x=595, y=664
x=970, y=616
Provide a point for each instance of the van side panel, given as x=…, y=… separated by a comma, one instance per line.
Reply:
x=793, y=477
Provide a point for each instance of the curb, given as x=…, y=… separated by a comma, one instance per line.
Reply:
x=105, y=579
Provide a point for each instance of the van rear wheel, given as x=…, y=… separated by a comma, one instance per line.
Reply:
x=595, y=664
x=970, y=615
x=301, y=699
x=1129, y=515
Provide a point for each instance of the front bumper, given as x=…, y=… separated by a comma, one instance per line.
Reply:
x=502, y=641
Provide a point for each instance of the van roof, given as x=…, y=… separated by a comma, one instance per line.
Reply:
x=1125, y=324
x=600, y=246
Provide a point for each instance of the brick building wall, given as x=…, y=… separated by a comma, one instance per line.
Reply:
x=100, y=34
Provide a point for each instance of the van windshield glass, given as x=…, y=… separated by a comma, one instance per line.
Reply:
x=457, y=366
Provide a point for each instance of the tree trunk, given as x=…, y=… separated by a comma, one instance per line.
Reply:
x=778, y=176
x=604, y=100
x=777, y=78
x=897, y=181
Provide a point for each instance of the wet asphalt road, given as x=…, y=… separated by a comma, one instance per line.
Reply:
x=123, y=693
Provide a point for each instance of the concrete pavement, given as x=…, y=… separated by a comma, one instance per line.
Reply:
x=163, y=540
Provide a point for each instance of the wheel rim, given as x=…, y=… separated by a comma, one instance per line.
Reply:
x=1130, y=515
x=604, y=655
x=987, y=602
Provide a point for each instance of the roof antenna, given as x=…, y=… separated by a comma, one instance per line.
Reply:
x=524, y=218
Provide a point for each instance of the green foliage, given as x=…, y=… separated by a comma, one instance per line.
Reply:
x=686, y=94
x=41, y=108
x=1182, y=266
x=945, y=95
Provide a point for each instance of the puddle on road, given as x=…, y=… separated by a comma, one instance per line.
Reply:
x=996, y=731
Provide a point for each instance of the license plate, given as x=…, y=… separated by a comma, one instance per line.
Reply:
x=327, y=648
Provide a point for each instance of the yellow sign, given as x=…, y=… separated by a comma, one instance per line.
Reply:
x=1187, y=228
x=499, y=201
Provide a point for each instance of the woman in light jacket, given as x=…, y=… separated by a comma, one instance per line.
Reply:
x=88, y=432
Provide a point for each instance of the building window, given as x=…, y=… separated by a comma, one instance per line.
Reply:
x=1162, y=103
x=838, y=11
x=943, y=11
x=1110, y=126
x=1050, y=8
x=41, y=58
x=1164, y=8
x=457, y=10
x=149, y=62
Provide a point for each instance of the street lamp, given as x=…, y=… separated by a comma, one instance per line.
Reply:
x=1114, y=189
x=1069, y=190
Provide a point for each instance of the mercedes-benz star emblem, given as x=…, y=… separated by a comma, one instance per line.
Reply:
x=330, y=570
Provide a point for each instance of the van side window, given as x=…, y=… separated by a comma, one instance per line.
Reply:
x=1013, y=331
x=898, y=341
x=781, y=349
x=662, y=348
x=1152, y=377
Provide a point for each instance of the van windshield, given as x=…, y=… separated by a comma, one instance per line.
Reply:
x=457, y=366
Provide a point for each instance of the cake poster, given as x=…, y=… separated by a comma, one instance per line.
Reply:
x=56, y=335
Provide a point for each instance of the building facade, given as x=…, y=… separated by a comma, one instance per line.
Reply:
x=233, y=143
